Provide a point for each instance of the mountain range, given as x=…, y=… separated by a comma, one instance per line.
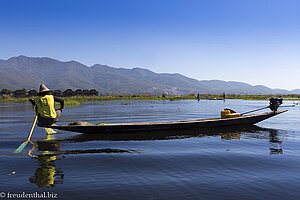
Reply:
x=29, y=72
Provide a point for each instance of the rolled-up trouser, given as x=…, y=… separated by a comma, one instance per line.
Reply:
x=49, y=121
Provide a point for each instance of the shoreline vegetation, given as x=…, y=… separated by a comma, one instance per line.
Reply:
x=77, y=100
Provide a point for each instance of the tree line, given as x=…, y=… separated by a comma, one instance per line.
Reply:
x=30, y=93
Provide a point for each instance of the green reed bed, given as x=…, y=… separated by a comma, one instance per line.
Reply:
x=26, y=100
x=263, y=97
x=13, y=100
x=77, y=100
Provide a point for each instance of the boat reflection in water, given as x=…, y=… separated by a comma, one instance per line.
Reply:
x=48, y=150
x=230, y=132
x=231, y=136
x=227, y=133
x=275, y=142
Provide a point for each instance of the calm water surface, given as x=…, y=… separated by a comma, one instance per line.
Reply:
x=256, y=162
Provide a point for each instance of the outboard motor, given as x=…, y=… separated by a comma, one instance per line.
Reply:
x=275, y=103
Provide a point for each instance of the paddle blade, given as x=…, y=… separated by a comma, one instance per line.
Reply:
x=21, y=147
x=50, y=131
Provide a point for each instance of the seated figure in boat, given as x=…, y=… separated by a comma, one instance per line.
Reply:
x=44, y=102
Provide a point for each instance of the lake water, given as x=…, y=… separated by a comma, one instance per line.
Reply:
x=256, y=162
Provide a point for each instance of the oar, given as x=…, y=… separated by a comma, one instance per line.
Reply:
x=50, y=131
x=23, y=145
x=288, y=106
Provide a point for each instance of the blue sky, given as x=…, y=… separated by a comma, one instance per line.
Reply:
x=252, y=41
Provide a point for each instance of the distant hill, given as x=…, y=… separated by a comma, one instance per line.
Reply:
x=27, y=72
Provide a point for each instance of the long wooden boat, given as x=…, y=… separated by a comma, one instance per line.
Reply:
x=168, y=125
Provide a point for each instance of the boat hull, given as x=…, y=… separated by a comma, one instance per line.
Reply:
x=168, y=125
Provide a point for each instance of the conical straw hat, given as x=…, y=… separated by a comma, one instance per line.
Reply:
x=44, y=89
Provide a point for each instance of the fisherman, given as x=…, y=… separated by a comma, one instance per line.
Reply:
x=47, y=115
x=198, y=97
